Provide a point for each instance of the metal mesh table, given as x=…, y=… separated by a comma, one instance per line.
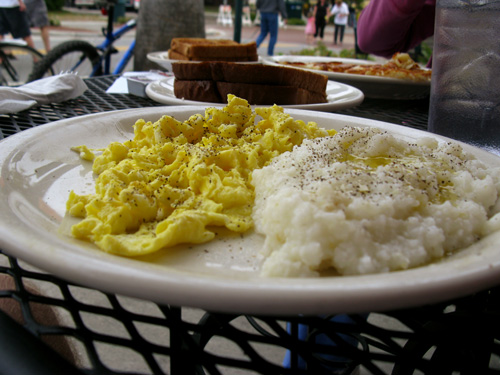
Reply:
x=114, y=334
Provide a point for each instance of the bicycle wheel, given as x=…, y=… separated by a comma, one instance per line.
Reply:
x=17, y=61
x=72, y=56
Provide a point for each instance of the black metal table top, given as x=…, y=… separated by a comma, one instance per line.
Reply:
x=113, y=334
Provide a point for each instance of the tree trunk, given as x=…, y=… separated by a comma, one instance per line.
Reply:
x=161, y=20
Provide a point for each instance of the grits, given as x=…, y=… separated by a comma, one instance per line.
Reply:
x=364, y=201
x=174, y=180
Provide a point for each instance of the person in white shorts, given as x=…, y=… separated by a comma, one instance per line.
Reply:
x=14, y=21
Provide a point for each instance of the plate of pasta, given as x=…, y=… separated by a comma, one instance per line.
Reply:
x=398, y=78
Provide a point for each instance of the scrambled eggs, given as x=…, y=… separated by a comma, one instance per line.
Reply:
x=175, y=179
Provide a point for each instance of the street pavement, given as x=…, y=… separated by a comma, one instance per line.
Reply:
x=291, y=39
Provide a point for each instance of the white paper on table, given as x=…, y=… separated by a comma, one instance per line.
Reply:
x=120, y=85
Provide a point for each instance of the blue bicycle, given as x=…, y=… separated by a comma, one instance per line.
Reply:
x=81, y=57
x=17, y=60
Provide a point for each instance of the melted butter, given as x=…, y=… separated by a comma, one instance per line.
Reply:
x=371, y=162
x=446, y=193
x=411, y=163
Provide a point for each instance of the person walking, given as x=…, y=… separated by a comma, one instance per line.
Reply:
x=320, y=16
x=310, y=28
x=341, y=12
x=269, y=17
x=14, y=21
x=38, y=16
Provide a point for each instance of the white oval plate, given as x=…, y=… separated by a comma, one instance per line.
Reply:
x=161, y=58
x=339, y=96
x=372, y=86
x=37, y=171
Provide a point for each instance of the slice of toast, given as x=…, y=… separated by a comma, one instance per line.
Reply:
x=270, y=94
x=199, y=49
x=255, y=94
x=251, y=74
x=270, y=75
x=192, y=70
x=195, y=52
x=198, y=90
x=183, y=45
x=173, y=55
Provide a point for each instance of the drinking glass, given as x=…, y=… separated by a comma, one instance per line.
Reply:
x=465, y=88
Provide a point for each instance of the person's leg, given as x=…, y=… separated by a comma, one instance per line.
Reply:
x=273, y=29
x=336, y=34
x=3, y=24
x=45, y=37
x=28, y=39
x=342, y=28
x=321, y=27
x=38, y=17
x=264, y=28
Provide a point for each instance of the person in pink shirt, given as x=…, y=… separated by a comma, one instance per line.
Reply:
x=310, y=29
x=389, y=26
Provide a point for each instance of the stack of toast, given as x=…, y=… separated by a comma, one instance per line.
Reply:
x=258, y=84
x=199, y=49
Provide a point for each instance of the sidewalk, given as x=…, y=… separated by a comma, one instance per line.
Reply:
x=290, y=38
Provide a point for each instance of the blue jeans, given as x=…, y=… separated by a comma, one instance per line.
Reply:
x=334, y=364
x=268, y=25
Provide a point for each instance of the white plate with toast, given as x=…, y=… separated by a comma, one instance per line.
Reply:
x=222, y=275
x=339, y=96
x=372, y=86
x=162, y=59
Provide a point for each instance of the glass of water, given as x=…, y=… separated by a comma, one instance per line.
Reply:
x=465, y=88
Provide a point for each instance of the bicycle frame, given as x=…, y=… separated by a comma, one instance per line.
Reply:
x=90, y=59
x=107, y=46
x=8, y=70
